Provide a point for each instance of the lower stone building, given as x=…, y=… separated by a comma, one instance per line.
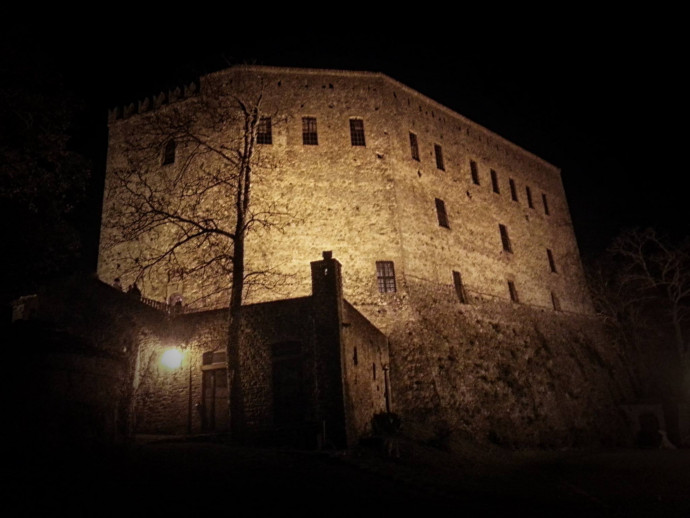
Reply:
x=313, y=371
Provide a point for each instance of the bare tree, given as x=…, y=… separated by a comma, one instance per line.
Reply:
x=656, y=273
x=623, y=309
x=179, y=201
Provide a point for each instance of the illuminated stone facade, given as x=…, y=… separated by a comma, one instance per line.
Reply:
x=377, y=201
x=454, y=242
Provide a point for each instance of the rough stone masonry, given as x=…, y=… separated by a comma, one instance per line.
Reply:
x=454, y=242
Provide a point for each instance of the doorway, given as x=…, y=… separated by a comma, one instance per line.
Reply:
x=214, y=389
x=289, y=391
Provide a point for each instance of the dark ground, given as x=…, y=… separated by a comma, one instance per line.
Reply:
x=190, y=477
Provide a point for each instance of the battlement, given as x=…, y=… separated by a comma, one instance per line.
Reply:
x=154, y=102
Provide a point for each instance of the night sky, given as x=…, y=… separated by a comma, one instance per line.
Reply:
x=592, y=102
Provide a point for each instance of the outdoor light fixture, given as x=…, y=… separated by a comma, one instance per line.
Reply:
x=172, y=358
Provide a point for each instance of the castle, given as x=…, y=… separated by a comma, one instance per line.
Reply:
x=456, y=245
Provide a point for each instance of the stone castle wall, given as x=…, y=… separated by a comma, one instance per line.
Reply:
x=365, y=361
x=375, y=202
x=161, y=393
x=525, y=372
x=506, y=373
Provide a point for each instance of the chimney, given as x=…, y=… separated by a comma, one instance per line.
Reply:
x=327, y=308
x=326, y=281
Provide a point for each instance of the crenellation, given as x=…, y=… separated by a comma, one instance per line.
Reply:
x=153, y=102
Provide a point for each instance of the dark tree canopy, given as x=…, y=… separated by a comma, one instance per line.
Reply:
x=642, y=285
x=43, y=179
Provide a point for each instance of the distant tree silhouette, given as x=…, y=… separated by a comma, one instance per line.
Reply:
x=42, y=180
x=642, y=282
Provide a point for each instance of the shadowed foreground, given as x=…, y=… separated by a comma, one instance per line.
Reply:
x=182, y=477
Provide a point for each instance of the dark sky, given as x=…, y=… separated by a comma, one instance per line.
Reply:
x=590, y=101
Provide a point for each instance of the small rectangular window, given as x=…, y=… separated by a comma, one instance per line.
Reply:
x=211, y=357
x=552, y=263
x=529, y=197
x=475, y=172
x=264, y=134
x=357, y=132
x=555, y=302
x=459, y=287
x=309, y=135
x=494, y=182
x=441, y=213
x=385, y=274
x=414, y=148
x=504, y=238
x=513, y=190
x=169, y=152
x=513, y=292
x=438, y=151
x=546, y=205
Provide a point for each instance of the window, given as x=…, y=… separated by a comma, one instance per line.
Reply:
x=214, y=358
x=555, y=302
x=441, y=213
x=529, y=197
x=552, y=263
x=169, y=152
x=513, y=292
x=414, y=148
x=475, y=172
x=459, y=287
x=357, y=132
x=385, y=274
x=438, y=151
x=494, y=182
x=214, y=397
x=505, y=239
x=309, y=136
x=264, y=133
x=513, y=191
x=546, y=205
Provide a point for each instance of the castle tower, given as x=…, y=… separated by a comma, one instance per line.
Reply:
x=455, y=242
x=394, y=183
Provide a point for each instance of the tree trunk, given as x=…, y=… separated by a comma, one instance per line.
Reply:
x=681, y=348
x=242, y=204
x=235, y=396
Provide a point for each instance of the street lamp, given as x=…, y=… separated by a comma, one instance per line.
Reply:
x=172, y=358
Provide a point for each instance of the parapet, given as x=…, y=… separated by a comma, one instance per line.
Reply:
x=155, y=101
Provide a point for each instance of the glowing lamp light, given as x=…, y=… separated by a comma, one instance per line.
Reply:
x=172, y=358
